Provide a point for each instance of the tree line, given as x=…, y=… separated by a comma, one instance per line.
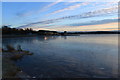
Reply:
x=12, y=31
x=15, y=31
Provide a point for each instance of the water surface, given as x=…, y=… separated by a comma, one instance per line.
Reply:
x=69, y=56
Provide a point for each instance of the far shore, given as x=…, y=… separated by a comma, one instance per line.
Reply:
x=8, y=32
x=14, y=36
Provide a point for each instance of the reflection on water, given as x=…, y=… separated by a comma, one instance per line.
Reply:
x=69, y=56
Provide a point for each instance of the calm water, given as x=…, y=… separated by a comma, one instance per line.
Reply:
x=69, y=56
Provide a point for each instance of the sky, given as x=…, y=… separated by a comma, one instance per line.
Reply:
x=61, y=16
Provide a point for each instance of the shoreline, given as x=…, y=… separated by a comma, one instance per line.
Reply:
x=10, y=69
x=14, y=36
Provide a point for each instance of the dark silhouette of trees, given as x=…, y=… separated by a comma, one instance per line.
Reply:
x=14, y=31
x=29, y=31
x=65, y=32
x=46, y=32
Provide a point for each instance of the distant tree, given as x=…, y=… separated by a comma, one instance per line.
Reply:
x=5, y=27
x=65, y=32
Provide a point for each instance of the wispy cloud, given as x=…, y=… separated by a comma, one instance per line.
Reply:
x=101, y=12
x=50, y=5
x=41, y=22
x=94, y=22
x=101, y=27
x=24, y=14
x=105, y=11
x=54, y=3
x=79, y=1
x=69, y=8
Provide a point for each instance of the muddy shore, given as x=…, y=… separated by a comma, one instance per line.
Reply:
x=9, y=68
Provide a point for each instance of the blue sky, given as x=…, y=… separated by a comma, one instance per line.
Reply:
x=60, y=16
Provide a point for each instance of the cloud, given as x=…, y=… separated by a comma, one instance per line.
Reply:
x=97, y=13
x=50, y=5
x=54, y=3
x=24, y=14
x=101, y=27
x=94, y=22
x=104, y=11
x=80, y=1
x=41, y=23
x=69, y=8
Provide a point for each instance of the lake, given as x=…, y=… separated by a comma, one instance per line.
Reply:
x=84, y=56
